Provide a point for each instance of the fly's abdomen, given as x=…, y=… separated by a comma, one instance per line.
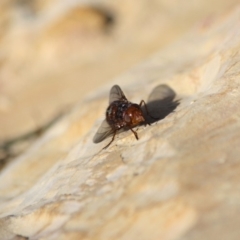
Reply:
x=115, y=112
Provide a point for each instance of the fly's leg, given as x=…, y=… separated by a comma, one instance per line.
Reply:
x=145, y=106
x=135, y=133
x=114, y=134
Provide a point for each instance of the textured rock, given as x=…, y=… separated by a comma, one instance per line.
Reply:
x=179, y=181
x=69, y=48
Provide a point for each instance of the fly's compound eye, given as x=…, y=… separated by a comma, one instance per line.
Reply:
x=127, y=118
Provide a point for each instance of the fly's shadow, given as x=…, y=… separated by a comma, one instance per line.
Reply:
x=160, y=103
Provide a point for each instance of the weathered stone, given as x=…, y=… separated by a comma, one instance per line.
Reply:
x=180, y=180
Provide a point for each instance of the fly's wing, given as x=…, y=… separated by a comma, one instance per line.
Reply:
x=116, y=94
x=103, y=132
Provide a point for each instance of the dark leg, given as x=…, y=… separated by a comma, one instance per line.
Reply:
x=114, y=134
x=145, y=106
x=135, y=133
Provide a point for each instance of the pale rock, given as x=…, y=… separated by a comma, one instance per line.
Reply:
x=179, y=181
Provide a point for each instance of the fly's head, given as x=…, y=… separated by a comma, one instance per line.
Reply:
x=133, y=116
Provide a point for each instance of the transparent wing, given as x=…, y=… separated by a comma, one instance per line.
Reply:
x=116, y=93
x=103, y=132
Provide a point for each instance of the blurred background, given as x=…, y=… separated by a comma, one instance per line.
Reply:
x=54, y=52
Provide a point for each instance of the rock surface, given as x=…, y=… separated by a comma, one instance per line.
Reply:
x=179, y=181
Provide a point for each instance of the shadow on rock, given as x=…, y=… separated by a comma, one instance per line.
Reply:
x=160, y=103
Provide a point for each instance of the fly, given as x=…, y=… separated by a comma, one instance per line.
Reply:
x=120, y=114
